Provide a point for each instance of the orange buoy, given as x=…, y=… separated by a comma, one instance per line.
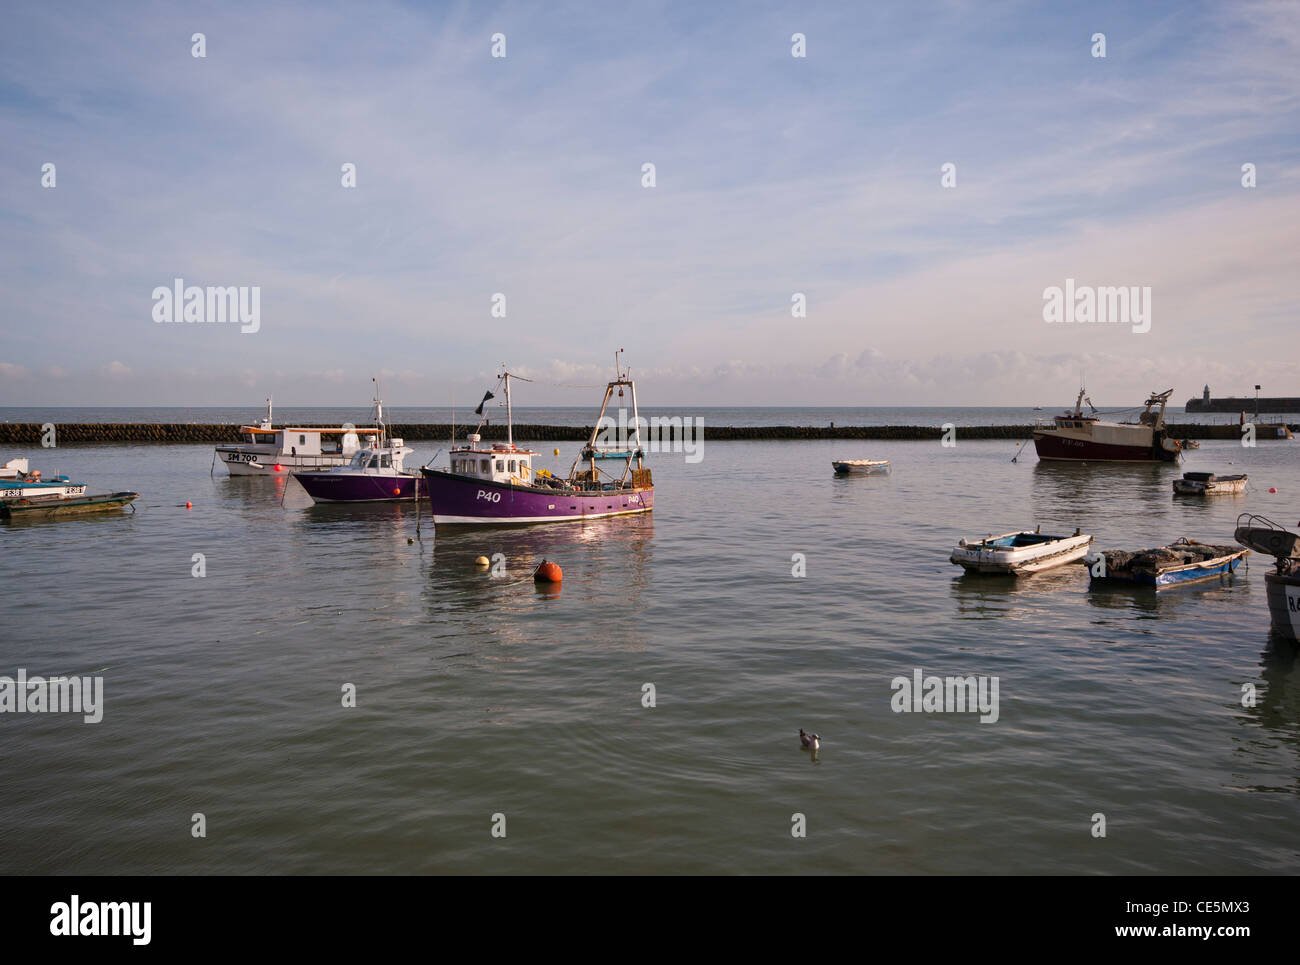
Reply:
x=188, y=504
x=397, y=490
x=279, y=468
x=548, y=573
x=1273, y=490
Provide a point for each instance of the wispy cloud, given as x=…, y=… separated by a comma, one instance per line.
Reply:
x=522, y=176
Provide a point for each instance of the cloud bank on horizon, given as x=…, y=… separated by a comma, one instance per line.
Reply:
x=523, y=175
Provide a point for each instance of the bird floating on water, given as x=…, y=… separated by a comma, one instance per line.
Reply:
x=809, y=742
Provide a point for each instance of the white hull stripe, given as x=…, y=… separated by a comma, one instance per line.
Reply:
x=506, y=520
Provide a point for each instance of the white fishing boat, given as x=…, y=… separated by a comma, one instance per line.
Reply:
x=846, y=467
x=1020, y=552
x=265, y=450
x=1208, y=484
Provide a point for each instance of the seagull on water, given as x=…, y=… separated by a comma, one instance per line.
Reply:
x=809, y=742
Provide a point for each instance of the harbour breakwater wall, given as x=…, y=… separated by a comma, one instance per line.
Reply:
x=31, y=434
x=1272, y=405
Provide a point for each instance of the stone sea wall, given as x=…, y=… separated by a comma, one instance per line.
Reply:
x=30, y=434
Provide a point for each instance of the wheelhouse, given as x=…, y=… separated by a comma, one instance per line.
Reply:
x=500, y=463
x=380, y=459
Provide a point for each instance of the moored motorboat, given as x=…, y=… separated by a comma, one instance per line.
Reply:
x=498, y=484
x=1075, y=437
x=1282, y=586
x=25, y=495
x=375, y=474
x=264, y=450
x=846, y=467
x=18, y=481
x=1021, y=552
x=1209, y=484
x=1184, y=561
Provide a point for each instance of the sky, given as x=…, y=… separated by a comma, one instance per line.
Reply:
x=523, y=176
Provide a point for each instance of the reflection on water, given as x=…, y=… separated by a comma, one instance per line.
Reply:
x=1271, y=715
x=983, y=596
x=605, y=563
x=1084, y=489
x=1167, y=602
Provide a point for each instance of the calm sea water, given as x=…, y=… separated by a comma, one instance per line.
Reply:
x=479, y=695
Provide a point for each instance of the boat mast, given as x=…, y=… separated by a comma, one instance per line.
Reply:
x=379, y=414
x=636, y=420
x=510, y=422
x=590, y=450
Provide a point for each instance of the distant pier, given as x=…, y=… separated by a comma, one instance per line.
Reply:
x=30, y=434
x=1271, y=405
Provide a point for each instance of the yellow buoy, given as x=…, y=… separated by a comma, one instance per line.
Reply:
x=556, y=451
x=482, y=561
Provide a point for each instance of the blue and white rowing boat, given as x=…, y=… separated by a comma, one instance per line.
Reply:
x=1185, y=561
x=1021, y=552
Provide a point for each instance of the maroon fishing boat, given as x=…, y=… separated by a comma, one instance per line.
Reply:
x=1075, y=437
x=498, y=484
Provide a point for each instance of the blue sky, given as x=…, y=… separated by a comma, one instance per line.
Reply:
x=522, y=175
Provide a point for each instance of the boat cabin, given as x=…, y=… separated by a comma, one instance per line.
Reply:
x=15, y=469
x=501, y=462
x=1075, y=418
x=288, y=441
x=381, y=458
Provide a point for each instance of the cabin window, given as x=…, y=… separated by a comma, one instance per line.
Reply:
x=302, y=440
x=385, y=461
x=485, y=465
x=501, y=465
x=512, y=465
x=359, y=461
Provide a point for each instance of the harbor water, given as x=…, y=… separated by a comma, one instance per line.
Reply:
x=762, y=595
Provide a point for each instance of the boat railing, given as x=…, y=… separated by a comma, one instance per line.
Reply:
x=1263, y=535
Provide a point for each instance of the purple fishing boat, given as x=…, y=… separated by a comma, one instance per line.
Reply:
x=375, y=474
x=498, y=485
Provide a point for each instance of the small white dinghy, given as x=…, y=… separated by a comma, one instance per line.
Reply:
x=845, y=467
x=1022, y=552
x=1208, y=484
